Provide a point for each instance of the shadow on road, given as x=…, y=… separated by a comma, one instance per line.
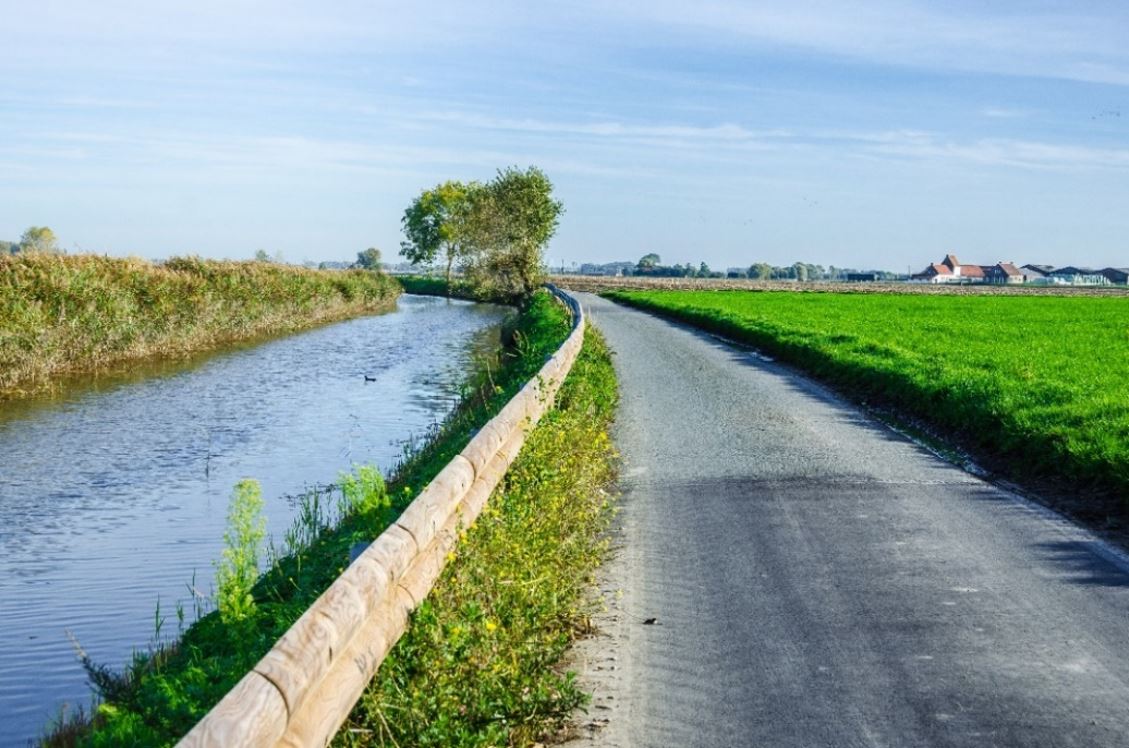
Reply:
x=1083, y=564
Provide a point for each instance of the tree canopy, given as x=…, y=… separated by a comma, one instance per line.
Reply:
x=511, y=220
x=436, y=223
x=369, y=259
x=39, y=239
x=496, y=231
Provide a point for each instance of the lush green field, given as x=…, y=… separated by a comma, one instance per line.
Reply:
x=541, y=528
x=64, y=314
x=1038, y=387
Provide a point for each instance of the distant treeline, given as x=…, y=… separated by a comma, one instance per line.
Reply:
x=651, y=265
x=74, y=313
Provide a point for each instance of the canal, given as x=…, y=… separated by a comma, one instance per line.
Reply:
x=113, y=493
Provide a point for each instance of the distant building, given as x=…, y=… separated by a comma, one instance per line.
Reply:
x=1077, y=276
x=1036, y=273
x=949, y=270
x=936, y=273
x=862, y=277
x=972, y=273
x=1003, y=273
x=1117, y=275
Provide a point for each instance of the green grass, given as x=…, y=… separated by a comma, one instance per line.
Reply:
x=66, y=314
x=166, y=689
x=1038, y=387
x=478, y=666
x=426, y=285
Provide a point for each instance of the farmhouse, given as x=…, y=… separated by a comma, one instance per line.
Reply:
x=1002, y=273
x=971, y=273
x=949, y=270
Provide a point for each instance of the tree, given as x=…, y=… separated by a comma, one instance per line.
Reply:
x=508, y=224
x=649, y=261
x=369, y=259
x=261, y=255
x=436, y=222
x=39, y=239
x=704, y=270
x=9, y=248
x=760, y=270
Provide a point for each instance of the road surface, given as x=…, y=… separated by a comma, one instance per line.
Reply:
x=815, y=579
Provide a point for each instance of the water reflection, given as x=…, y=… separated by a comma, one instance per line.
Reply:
x=114, y=492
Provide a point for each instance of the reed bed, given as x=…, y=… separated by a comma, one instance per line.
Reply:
x=71, y=314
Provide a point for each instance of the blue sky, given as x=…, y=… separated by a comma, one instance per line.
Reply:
x=869, y=134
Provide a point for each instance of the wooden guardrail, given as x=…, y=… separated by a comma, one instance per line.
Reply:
x=303, y=689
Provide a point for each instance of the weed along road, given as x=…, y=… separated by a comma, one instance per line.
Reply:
x=794, y=573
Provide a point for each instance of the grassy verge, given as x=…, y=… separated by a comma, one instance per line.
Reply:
x=1036, y=387
x=167, y=688
x=477, y=666
x=69, y=314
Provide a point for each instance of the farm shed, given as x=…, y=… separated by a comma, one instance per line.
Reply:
x=1077, y=276
x=1036, y=272
x=1117, y=275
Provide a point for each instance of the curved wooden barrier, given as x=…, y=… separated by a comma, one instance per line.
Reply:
x=303, y=689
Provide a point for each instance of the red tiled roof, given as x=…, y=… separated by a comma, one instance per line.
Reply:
x=936, y=269
x=971, y=271
x=1009, y=269
x=951, y=261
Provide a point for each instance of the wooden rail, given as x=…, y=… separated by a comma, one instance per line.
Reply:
x=303, y=689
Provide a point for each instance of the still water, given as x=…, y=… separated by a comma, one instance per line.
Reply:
x=114, y=493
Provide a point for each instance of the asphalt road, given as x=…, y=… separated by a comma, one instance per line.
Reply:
x=815, y=579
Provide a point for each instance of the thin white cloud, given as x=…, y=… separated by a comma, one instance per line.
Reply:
x=1007, y=152
x=1081, y=41
x=715, y=141
x=1072, y=42
x=724, y=132
x=993, y=112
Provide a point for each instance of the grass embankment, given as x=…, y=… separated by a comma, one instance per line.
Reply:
x=70, y=314
x=476, y=668
x=167, y=689
x=1037, y=388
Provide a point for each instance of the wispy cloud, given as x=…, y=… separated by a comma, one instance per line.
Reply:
x=1065, y=42
x=1007, y=152
x=721, y=132
x=902, y=144
x=1004, y=113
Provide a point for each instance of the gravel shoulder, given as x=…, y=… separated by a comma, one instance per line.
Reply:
x=791, y=572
